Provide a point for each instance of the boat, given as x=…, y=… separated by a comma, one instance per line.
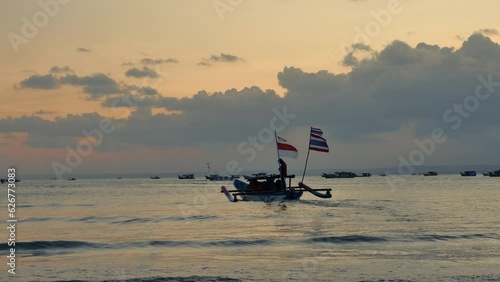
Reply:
x=486, y=174
x=277, y=187
x=495, y=173
x=186, y=176
x=366, y=174
x=155, y=177
x=430, y=173
x=382, y=174
x=270, y=188
x=218, y=177
x=3, y=180
x=341, y=174
x=247, y=177
x=71, y=178
x=468, y=173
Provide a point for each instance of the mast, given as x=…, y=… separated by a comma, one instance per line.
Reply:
x=307, y=158
x=276, y=141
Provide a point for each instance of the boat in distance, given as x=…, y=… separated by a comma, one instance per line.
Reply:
x=430, y=173
x=341, y=174
x=495, y=173
x=468, y=173
x=186, y=176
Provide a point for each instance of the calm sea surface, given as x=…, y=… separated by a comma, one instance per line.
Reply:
x=414, y=228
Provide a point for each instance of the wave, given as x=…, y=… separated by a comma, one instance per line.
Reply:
x=168, y=279
x=52, y=247
x=415, y=238
x=347, y=239
x=437, y=237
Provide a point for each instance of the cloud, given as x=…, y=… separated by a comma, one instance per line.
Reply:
x=141, y=73
x=150, y=61
x=43, y=82
x=127, y=63
x=81, y=49
x=44, y=112
x=350, y=58
x=488, y=31
x=222, y=58
x=57, y=69
x=399, y=87
x=97, y=84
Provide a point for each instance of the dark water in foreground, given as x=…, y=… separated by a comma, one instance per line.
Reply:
x=444, y=228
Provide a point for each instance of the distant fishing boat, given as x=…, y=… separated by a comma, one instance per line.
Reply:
x=71, y=178
x=218, y=177
x=468, y=173
x=366, y=174
x=486, y=174
x=339, y=174
x=495, y=173
x=273, y=187
x=430, y=173
x=6, y=180
x=382, y=174
x=155, y=177
x=186, y=176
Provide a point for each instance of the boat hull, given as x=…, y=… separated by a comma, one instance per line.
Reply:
x=272, y=197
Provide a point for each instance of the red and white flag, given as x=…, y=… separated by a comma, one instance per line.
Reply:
x=285, y=149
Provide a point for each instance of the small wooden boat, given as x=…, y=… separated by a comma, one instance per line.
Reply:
x=186, y=176
x=430, y=173
x=468, y=173
x=341, y=174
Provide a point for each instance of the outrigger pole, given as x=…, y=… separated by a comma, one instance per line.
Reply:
x=307, y=158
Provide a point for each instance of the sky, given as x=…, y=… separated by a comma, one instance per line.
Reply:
x=91, y=87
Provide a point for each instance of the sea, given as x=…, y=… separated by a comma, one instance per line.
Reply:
x=394, y=228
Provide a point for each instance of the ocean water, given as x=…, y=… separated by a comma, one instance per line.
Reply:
x=412, y=228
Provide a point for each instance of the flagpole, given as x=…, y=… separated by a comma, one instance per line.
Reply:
x=307, y=158
x=276, y=141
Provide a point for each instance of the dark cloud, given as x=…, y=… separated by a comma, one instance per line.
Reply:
x=488, y=31
x=81, y=49
x=96, y=85
x=150, y=61
x=141, y=73
x=57, y=69
x=43, y=82
x=401, y=86
x=350, y=58
x=222, y=58
x=44, y=112
x=127, y=63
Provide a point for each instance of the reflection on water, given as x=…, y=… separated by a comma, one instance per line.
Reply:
x=173, y=230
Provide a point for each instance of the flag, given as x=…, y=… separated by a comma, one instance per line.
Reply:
x=285, y=149
x=317, y=142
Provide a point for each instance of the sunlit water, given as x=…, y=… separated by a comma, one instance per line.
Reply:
x=444, y=228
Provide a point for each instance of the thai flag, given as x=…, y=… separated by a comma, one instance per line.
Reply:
x=285, y=149
x=317, y=142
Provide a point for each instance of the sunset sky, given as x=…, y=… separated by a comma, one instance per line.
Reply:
x=178, y=83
